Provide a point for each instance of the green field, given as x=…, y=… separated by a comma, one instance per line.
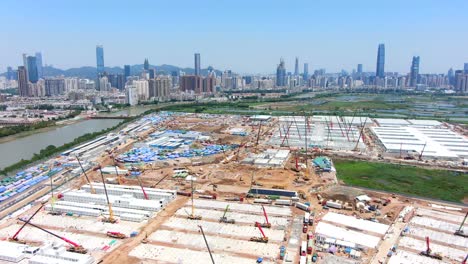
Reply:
x=437, y=184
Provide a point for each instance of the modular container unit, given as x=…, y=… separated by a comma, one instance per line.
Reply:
x=302, y=206
x=277, y=192
x=333, y=204
x=73, y=210
x=283, y=202
x=262, y=201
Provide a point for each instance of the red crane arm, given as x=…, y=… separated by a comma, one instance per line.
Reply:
x=427, y=244
x=26, y=222
x=260, y=228
x=265, y=214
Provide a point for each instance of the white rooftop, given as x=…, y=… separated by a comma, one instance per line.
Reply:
x=353, y=222
x=436, y=142
x=328, y=230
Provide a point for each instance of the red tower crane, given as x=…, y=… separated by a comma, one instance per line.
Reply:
x=428, y=252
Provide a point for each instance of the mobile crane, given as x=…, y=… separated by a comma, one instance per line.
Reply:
x=111, y=218
x=192, y=216
x=263, y=238
x=224, y=219
x=460, y=231
x=116, y=235
x=267, y=224
x=428, y=251
x=14, y=238
x=74, y=247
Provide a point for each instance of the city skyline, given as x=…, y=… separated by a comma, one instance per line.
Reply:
x=321, y=46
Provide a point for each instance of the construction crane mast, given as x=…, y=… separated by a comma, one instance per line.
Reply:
x=111, y=218
x=74, y=247
x=136, y=172
x=263, y=238
x=86, y=176
x=206, y=242
x=460, y=231
x=14, y=238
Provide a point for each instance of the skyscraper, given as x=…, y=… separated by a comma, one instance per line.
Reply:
x=380, y=71
x=23, y=85
x=414, y=74
x=451, y=76
x=465, y=68
x=127, y=71
x=359, y=68
x=100, y=59
x=25, y=61
x=306, y=72
x=296, y=67
x=10, y=73
x=281, y=74
x=152, y=73
x=146, y=65
x=32, y=69
x=40, y=72
x=197, y=64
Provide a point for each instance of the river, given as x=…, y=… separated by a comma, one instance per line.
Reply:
x=25, y=147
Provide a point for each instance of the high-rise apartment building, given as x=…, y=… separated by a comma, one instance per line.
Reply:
x=461, y=82
x=100, y=59
x=10, y=74
x=40, y=72
x=380, y=71
x=54, y=86
x=33, y=76
x=281, y=74
x=197, y=64
x=23, y=87
x=414, y=73
x=152, y=73
x=465, y=68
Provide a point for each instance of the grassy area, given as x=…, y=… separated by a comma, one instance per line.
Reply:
x=437, y=184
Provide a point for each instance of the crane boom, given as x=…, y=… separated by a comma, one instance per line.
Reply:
x=111, y=213
x=86, y=176
x=463, y=223
x=141, y=185
x=50, y=233
x=225, y=211
x=206, y=242
x=265, y=214
x=260, y=228
x=15, y=236
x=428, y=249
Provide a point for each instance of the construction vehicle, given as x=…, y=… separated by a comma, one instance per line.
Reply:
x=460, y=231
x=74, y=247
x=465, y=259
x=14, y=238
x=263, y=238
x=86, y=176
x=192, y=216
x=116, y=235
x=223, y=219
x=267, y=224
x=145, y=240
x=428, y=251
x=206, y=242
x=111, y=218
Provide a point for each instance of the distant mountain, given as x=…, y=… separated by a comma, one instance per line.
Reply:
x=90, y=72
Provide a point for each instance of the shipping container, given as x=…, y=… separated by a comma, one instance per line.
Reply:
x=304, y=248
x=333, y=204
x=303, y=260
x=306, y=217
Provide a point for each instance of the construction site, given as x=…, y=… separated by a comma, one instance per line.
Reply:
x=199, y=188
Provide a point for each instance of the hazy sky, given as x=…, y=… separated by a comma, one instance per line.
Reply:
x=242, y=35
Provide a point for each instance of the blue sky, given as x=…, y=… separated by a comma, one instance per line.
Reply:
x=244, y=36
